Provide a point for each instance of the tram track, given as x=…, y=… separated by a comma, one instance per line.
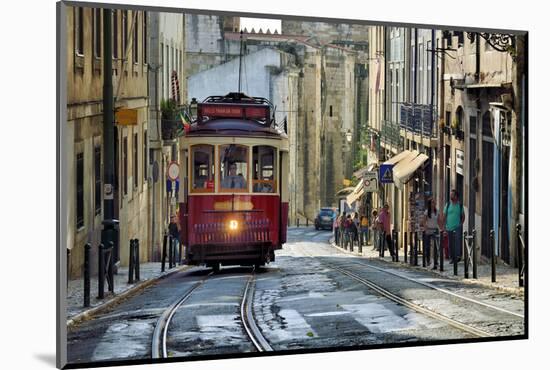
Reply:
x=442, y=290
x=476, y=332
x=254, y=334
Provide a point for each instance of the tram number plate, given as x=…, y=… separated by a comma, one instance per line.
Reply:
x=210, y=184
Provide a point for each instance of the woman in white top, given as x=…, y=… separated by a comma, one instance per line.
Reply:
x=430, y=226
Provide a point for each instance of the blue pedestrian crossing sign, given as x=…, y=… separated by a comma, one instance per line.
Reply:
x=386, y=173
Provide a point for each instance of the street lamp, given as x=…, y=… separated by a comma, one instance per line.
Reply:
x=193, y=108
x=349, y=136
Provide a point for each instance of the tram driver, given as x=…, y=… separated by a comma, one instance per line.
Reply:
x=232, y=180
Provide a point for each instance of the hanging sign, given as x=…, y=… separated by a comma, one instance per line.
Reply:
x=173, y=171
x=386, y=173
x=370, y=181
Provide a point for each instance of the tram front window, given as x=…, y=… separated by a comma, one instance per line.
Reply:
x=234, y=167
x=203, y=168
x=264, y=168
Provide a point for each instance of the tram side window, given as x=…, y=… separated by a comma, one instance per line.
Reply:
x=203, y=167
x=265, y=169
x=234, y=167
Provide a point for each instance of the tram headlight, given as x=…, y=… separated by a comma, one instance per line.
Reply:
x=233, y=225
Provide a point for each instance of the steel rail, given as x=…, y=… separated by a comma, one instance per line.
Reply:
x=466, y=328
x=158, y=346
x=442, y=290
x=247, y=318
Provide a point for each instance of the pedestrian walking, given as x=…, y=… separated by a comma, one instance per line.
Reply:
x=374, y=229
x=342, y=229
x=174, y=231
x=364, y=230
x=348, y=225
x=356, y=227
x=430, y=227
x=453, y=219
x=336, y=230
x=385, y=228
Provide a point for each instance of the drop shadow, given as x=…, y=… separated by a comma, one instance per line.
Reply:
x=46, y=358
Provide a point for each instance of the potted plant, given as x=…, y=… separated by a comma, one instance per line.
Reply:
x=168, y=109
x=454, y=126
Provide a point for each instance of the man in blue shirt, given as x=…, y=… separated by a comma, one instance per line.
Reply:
x=453, y=218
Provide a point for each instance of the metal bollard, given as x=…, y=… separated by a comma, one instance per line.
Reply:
x=180, y=259
x=474, y=254
x=131, y=264
x=493, y=257
x=452, y=249
x=405, y=247
x=424, y=249
x=163, y=261
x=170, y=247
x=433, y=240
x=360, y=242
x=307, y=222
x=416, y=248
x=137, y=259
x=520, y=255
x=382, y=243
x=297, y=222
x=441, y=251
x=100, y=272
x=396, y=245
x=87, y=248
x=110, y=267
x=465, y=253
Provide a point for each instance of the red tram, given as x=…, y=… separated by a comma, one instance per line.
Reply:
x=234, y=207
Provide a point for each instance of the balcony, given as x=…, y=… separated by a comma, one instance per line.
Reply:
x=390, y=135
x=417, y=123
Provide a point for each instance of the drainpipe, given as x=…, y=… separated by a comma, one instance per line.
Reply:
x=441, y=136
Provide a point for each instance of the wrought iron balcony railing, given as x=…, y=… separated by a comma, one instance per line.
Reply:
x=390, y=134
x=418, y=118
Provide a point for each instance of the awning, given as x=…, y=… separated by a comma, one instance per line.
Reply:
x=400, y=157
x=403, y=172
x=356, y=194
x=344, y=191
x=359, y=173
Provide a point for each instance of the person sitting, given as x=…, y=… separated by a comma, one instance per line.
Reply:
x=232, y=180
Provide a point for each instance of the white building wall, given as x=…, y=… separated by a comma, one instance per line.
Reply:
x=220, y=80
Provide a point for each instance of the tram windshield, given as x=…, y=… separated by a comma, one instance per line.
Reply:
x=203, y=168
x=264, y=169
x=234, y=167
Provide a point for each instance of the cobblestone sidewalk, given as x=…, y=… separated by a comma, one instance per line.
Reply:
x=506, y=276
x=149, y=272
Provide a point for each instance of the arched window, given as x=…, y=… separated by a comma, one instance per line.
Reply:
x=458, y=123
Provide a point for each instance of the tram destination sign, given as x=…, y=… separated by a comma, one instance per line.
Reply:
x=233, y=111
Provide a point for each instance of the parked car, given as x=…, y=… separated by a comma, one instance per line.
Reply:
x=325, y=218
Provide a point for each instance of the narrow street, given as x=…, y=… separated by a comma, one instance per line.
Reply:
x=313, y=296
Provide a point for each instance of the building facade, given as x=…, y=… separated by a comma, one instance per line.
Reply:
x=85, y=55
x=167, y=82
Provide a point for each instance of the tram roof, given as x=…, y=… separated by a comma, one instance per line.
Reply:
x=234, y=127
